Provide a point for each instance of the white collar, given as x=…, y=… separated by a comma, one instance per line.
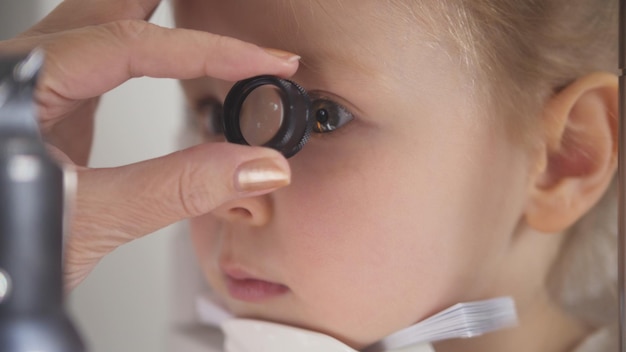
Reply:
x=259, y=336
x=247, y=335
x=468, y=319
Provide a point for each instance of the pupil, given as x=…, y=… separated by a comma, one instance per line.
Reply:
x=322, y=116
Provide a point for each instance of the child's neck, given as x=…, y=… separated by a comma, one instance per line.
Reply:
x=543, y=327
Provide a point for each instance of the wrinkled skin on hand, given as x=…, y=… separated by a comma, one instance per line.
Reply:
x=94, y=46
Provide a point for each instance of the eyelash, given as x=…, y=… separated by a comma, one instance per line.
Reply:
x=328, y=114
x=209, y=116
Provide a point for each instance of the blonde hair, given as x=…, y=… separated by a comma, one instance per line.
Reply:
x=520, y=53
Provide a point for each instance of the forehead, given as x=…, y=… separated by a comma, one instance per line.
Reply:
x=363, y=34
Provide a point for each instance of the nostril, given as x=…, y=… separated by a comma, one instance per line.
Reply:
x=240, y=212
x=251, y=211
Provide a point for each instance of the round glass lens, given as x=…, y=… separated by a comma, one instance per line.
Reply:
x=261, y=114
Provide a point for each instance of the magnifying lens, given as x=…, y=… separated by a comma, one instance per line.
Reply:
x=268, y=111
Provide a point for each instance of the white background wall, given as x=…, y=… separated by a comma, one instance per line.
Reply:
x=124, y=304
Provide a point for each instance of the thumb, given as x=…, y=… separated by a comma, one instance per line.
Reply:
x=116, y=205
x=140, y=198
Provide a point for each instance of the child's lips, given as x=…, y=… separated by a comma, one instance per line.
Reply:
x=245, y=287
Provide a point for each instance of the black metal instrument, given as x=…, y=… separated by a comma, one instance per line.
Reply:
x=32, y=203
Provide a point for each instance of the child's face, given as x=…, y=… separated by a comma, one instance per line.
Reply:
x=404, y=210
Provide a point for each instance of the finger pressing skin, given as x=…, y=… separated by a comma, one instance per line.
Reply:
x=117, y=205
x=71, y=14
x=88, y=62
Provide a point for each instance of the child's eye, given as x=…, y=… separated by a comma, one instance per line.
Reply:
x=209, y=113
x=329, y=115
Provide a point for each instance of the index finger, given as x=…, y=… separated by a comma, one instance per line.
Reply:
x=90, y=61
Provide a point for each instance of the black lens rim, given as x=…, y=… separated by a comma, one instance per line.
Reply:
x=297, y=124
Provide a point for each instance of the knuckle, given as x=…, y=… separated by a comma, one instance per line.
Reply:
x=194, y=196
x=127, y=30
x=232, y=55
x=221, y=41
x=130, y=34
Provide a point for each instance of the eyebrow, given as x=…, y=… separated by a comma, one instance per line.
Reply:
x=357, y=71
x=317, y=60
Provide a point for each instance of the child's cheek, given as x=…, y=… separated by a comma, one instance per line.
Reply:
x=336, y=209
x=205, y=241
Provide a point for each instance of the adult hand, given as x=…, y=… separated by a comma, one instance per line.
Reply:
x=93, y=46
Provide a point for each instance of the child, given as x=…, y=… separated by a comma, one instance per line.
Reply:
x=471, y=157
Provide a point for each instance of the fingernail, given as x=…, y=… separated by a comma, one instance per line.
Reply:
x=285, y=55
x=260, y=175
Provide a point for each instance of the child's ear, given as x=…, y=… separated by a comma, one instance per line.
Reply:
x=579, y=152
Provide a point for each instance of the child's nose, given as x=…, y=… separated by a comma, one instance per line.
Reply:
x=255, y=211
